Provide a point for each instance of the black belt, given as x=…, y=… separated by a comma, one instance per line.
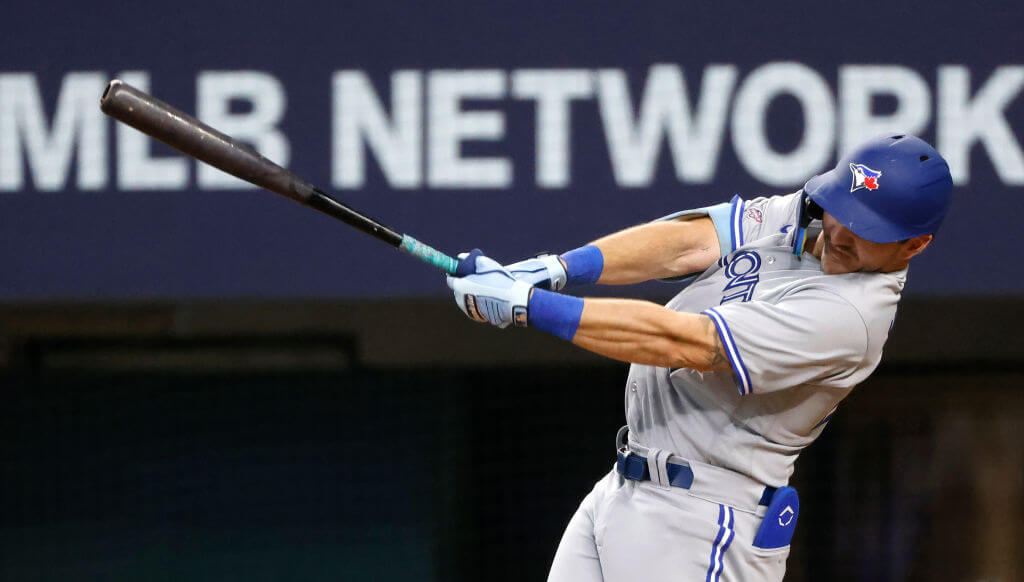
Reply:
x=634, y=467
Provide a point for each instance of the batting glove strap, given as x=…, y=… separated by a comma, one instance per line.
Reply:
x=544, y=272
x=556, y=314
x=519, y=302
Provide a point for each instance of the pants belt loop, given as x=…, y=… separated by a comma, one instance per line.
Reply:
x=620, y=439
x=657, y=461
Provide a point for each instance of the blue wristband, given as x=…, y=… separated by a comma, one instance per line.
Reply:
x=583, y=265
x=555, y=313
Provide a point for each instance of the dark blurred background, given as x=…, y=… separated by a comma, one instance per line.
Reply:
x=206, y=382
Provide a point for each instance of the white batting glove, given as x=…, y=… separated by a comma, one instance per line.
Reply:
x=488, y=293
x=545, y=272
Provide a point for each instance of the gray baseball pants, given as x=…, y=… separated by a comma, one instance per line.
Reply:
x=627, y=530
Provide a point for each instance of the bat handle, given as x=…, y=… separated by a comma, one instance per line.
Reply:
x=428, y=254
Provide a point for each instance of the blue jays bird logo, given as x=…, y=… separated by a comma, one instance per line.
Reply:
x=864, y=177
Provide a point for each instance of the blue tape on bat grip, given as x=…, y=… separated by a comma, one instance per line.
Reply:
x=555, y=313
x=428, y=254
x=583, y=265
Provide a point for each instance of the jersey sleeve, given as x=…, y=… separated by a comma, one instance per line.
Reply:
x=763, y=216
x=740, y=221
x=811, y=336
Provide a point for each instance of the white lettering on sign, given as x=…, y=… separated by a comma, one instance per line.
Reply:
x=694, y=136
x=448, y=128
x=553, y=90
x=78, y=129
x=749, y=136
x=962, y=121
x=359, y=117
x=860, y=84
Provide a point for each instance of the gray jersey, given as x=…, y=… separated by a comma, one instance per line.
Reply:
x=798, y=341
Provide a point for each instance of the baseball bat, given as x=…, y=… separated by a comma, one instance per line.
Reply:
x=202, y=142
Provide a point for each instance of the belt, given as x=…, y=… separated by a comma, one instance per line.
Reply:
x=634, y=467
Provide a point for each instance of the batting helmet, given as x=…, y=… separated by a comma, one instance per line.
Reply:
x=889, y=189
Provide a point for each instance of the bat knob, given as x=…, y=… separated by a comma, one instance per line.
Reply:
x=109, y=91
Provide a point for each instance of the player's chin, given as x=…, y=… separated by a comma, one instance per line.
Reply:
x=834, y=264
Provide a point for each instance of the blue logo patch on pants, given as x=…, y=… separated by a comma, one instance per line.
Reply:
x=779, y=522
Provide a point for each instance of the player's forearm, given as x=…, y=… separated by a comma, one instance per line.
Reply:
x=642, y=332
x=658, y=250
x=625, y=329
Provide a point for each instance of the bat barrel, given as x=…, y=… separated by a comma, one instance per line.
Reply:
x=198, y=140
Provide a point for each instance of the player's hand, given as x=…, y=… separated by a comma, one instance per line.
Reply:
x=488, y=293
x=545, y=272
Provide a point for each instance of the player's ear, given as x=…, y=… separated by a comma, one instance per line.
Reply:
x=914, y=246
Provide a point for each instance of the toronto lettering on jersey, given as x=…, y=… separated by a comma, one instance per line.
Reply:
x=415, y=128
x=742, y=270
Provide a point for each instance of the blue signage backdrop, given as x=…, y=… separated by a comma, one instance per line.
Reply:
x=514, y=128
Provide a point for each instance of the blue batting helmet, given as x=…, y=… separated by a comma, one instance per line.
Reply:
x=889, y=189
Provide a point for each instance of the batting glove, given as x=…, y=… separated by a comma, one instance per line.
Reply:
x=488, y=293
x=544, y=272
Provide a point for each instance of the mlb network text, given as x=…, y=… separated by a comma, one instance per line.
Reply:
x=416, y=126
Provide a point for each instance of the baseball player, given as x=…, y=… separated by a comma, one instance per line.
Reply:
x=787, y=303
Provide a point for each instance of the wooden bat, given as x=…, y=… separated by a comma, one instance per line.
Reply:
x=202, y=142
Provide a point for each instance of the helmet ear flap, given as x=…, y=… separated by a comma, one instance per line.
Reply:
x=814, y=211
x=811, y=211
